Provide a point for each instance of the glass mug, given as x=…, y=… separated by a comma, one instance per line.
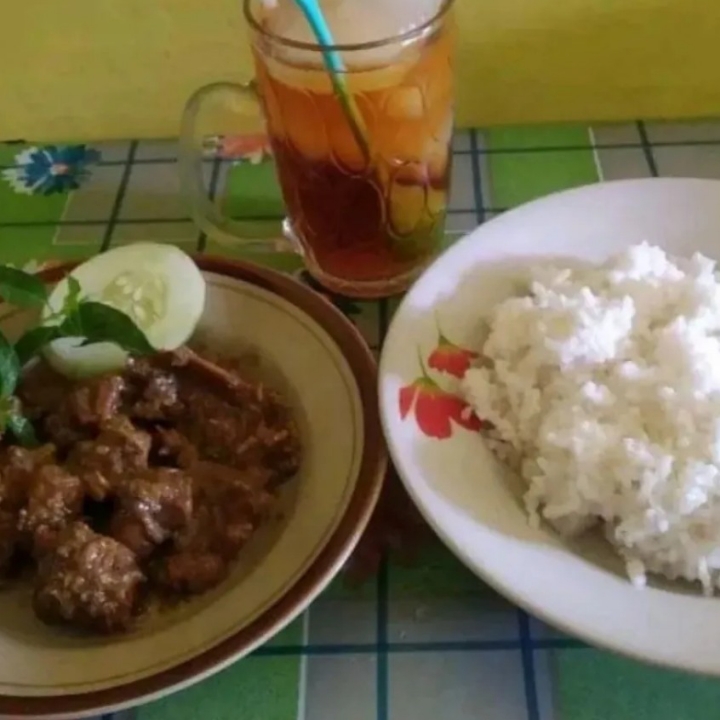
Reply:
x=366, y=217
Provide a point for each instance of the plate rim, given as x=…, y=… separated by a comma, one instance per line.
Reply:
x=324, y=568
x=499, y=584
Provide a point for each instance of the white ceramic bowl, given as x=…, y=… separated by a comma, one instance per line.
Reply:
x=328, y=374
x=474, y=503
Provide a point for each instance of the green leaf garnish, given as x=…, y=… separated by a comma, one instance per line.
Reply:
x=34, y=340
x=9, y=368
x=12, y=419
x=72, y=299
x=97, y=322
x=22, y=429
x=22, y=289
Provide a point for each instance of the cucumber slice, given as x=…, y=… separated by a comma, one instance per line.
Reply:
x=157, y=285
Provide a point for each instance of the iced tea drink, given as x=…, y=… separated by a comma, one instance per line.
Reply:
x=368, y=218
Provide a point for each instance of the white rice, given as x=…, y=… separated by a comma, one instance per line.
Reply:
x=605, y=382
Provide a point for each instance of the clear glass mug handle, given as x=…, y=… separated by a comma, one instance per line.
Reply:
x=236, y=109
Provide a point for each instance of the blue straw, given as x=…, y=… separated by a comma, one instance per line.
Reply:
x=336, y=69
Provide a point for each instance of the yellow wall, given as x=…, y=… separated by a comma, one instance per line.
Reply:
x=84, y=69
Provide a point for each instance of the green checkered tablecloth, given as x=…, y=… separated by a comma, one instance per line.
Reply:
x=419, y=642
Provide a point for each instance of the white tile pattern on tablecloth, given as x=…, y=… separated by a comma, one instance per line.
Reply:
x=96, y=197
x=342, y=621
x=340, y=688
x=458, y=619
x=702, y=161
x=683, y=132
x=183, y=233
x=461, y=189
x=456, y=686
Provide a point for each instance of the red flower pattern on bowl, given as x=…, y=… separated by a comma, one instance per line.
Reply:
x=436, y=410
x=450, y=358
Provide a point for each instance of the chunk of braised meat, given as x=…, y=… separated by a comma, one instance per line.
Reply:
x=55, y=498
x=97, y=400
x=86, y=407
x=213, y=481
x=229, y=504
x=66, y=411
x=280, y=444
x=227, y=418
x=151, y=509
x=171, y=447
x=153, y=391
x=89, y=581
x=245, y=427
x=120, y=450
x=192, y=573
x=18, y=468
x=9, y=538
x=280, y=438
x=42, y=390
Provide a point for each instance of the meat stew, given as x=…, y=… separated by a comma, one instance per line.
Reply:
x=146, y=486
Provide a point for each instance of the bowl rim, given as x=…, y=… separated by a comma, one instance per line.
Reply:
x=364, y=497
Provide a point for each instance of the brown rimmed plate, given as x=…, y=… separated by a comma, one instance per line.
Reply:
x=316, y=357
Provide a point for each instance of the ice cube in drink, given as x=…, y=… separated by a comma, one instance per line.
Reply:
x=352, y=22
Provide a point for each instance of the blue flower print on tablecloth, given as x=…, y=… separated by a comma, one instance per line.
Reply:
x=346, y=305
x=50, y=169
